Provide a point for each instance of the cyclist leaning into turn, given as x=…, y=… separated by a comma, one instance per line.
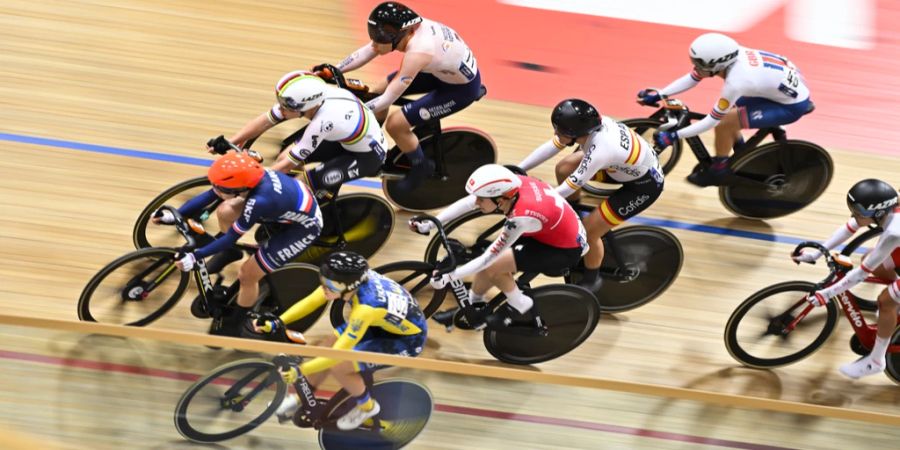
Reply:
x=608, y=148
x=871, y=202
x=436, y=62
x=384, y=318
x=542, y=234
x=762, y=89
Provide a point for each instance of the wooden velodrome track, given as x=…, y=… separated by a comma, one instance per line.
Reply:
x=163, y=77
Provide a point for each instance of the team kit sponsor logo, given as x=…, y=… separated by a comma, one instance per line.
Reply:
x=633, y=205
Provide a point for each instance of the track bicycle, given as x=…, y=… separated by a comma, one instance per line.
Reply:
x=639, y=264
x=237, y=397
x=569, y=312
x=777, y=326
x=143, y=285
x=769, y=180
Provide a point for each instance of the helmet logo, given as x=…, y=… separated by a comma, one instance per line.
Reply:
x=883, y=205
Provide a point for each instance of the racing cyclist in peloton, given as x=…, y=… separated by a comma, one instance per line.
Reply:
x=762, y=89
x=613, y=151
x=266, y=196
x=542, y=234
x=871, y=202
x=436, y=62
x=384, y=318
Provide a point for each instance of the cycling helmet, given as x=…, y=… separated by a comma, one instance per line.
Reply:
x=871, y=198
x=575, y=118
x=493, y=180
x=343, y=271
x=235, y=172
x=713, y=52
x=300, y=91
x=390, y=22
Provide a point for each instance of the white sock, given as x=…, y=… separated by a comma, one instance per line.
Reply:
x=879, y=350
x=475, y=298
x=518, y=300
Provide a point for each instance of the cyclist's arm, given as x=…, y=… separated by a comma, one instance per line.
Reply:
x=886, y=244
x=592, y=161
x=220, y=244
x=542, y=153
x=842, y=234
x=197, y=203
x=307, y=144
x=254, y=128
x=409, y=68
x=682, y=84
x=304, y=306
x=729, y=95
x=358, y=58
x=514, y=228
x=254, y=208
x=457, y=209
x=361, y=317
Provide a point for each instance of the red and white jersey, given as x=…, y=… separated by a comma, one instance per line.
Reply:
x=451, y=59
x=539, y=213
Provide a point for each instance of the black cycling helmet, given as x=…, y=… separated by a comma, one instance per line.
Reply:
x=389, y=22
x=872, y=198
x=343, y=271
x=575, y=118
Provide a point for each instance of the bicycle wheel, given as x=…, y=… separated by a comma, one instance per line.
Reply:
x=367, y=221
x=474, y=229
x=854, y=246
x=653, y=258
x=135, y=289
x=892, y=361
x=145, y=235
x=414, y=276
x=645, y=128
x=464, y=150
x=406, y=407
x=232, y=400
x=755, y=333
x=777, y=179
x=282, y=288
x=570, y=312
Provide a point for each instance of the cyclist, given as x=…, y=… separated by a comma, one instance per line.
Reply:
x=871, y=202
x=542, y=234
x=762, y=89
x=436, y=62
x=252, y=195
x=342, y=133
x=384, y=318
x=613, y=151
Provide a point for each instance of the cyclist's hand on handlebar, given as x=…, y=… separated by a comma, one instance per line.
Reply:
x=322, y=70
x=648, y=97
x=423, y=227
x=817, y=299
x=186, y=263
x=808, y=256
x=218, y=145
x=439, y=282
x=163, y=216
x=663, y=139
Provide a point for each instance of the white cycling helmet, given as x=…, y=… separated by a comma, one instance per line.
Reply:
x=493, y=180
x=300, y=91
x=713, y=52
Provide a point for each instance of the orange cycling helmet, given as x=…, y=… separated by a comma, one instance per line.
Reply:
x=235, y=172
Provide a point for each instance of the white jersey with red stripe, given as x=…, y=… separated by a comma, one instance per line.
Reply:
x=451, y=59
x=617, y=150
x=343, y=118
x=888, y=243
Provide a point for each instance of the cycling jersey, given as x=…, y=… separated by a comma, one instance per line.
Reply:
x=384, y=317
x=451, y=59
x=277, y=198
x=341, y=118
x=539, y=213
x=885, y=252
x=757, y=74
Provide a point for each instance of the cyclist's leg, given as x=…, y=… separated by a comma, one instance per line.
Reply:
x=757, y=112
x=874, y=362
x=327, y=178
x=727, y=133
x=626, y=202
x=228, y=211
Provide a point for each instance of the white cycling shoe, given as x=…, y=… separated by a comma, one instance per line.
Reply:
x=288, y=407
x=353, y=419
x=862, y=367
